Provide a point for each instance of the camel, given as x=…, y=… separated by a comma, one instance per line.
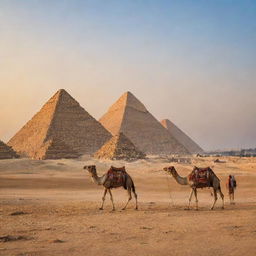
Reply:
x=199, y=178
x=108, y=183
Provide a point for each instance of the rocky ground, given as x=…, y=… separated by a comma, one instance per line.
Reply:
x=51, y=208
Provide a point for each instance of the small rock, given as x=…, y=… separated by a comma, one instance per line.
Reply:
x=9, y=238
x=149, y=228
x=57, y=241
x=17, y=213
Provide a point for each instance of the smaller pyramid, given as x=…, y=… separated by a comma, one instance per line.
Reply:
x=55, y=149
x=119, y=147
x=181, y=137
x=7, y=152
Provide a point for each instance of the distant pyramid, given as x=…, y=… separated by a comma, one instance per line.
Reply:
x=184, y=139
x=119, y=147
x=7, y=152
x=130, y=116
x=60, y=119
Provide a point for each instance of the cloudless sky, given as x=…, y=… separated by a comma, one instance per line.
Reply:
x=192, y=61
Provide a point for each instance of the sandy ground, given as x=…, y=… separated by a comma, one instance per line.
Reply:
x=58, y=214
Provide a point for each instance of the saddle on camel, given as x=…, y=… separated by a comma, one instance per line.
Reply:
x=116, y=177
x=200, y=176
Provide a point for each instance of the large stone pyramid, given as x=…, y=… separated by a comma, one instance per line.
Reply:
x=183, y=138
x=119, y=147
x=130, y=116
x=7, y=152
x=60, y=119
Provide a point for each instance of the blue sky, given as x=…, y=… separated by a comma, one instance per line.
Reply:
x=193, y=62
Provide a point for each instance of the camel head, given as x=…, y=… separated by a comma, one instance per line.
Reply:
x=170, y=169
x=91, y=169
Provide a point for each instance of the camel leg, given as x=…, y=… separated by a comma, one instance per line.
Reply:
x=129, y=198
x=233, y=197
x=136, y=200
x=103, y=199
x=195, y=193
x=190, y=197
x=111, y=197
x=215, y=198
x=222, y=197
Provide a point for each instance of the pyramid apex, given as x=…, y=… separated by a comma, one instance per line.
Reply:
x=128, y=93
x=166, y=122
x=62, y=91
x=132, y=102
x=59, y=93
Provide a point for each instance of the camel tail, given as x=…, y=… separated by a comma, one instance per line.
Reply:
x=125, y=181
x=133, y=188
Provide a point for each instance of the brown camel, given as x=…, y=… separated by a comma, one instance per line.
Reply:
x=113, y=178
x=199, y=178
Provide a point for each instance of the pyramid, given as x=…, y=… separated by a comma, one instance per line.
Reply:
x=130, y=116
x=60, y=119
x=54, y=149
x=7, y=152
x=183, y=138
x=119, y=147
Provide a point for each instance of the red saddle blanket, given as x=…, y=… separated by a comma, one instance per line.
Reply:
x=200, y=175
x=116, y=177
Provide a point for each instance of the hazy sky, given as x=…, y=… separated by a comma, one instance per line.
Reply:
x=192, y=61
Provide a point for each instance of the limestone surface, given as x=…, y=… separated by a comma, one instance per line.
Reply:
x=54, y=149
x=119, y=147
x=6, y=152
x=183, y=138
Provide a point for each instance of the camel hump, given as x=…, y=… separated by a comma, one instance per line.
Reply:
x=112, y=168
x=201, y=175
x=116, y=177
x=202, y=169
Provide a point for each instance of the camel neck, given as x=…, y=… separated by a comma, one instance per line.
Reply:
x=179, y=179
x=98, y=180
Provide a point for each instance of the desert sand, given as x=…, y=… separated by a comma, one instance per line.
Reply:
x=51, y=208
